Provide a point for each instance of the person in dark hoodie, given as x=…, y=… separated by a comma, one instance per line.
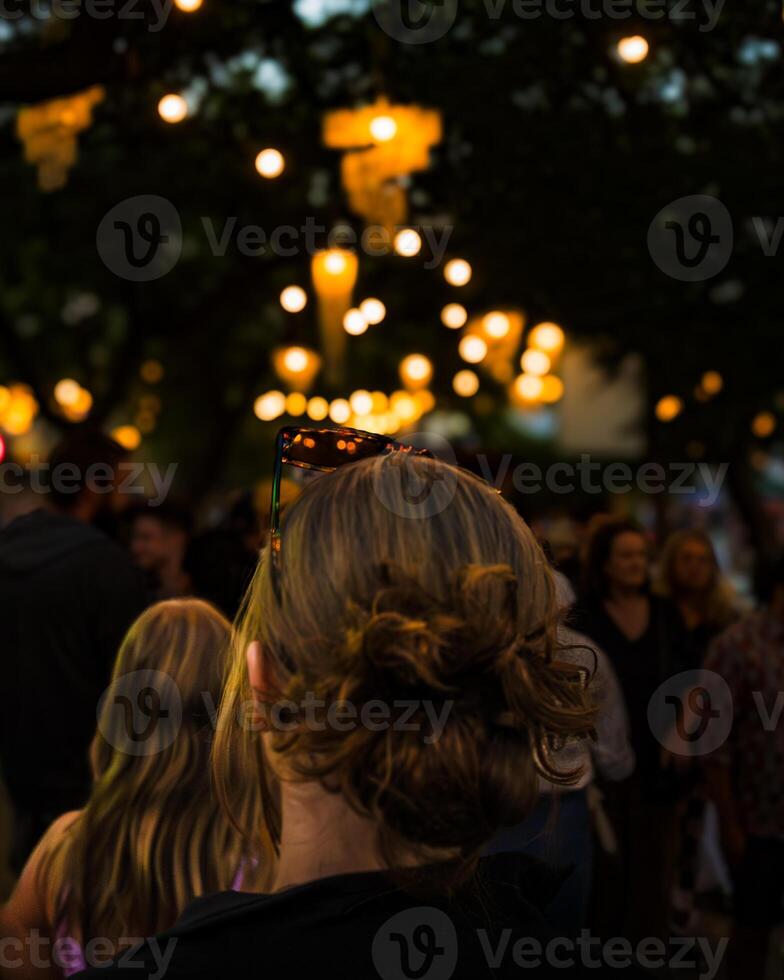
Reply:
x=67, y=596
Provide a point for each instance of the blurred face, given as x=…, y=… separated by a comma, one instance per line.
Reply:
x=153, y=543
x=693, y=568
x=627, y=565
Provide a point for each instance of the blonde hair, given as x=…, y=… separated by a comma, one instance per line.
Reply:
x=151, y=836
x=718, y=603
x=384, y=597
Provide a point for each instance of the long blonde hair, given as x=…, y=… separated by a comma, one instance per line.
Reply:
x=151, y=836
x=718, y=602
x=384, y=594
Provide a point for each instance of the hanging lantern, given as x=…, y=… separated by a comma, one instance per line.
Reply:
x=48, y=131
x=296, y=367
x=387, y=142
x=334, y=274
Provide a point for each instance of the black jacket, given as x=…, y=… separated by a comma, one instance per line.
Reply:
x=67, y=596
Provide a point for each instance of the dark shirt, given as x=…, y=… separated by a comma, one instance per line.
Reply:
x=67, y=596
x=641, y=665
x=360, y=926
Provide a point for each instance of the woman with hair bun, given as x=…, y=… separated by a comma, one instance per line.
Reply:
x=394, y=693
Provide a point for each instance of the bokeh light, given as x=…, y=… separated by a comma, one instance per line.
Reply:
x=373, y=310
x=454, y=316
x=270, y=163
x=271, y=405
x=173, y=108
x=465, y=383
x=472, y=349
x=457, y=272
x=293, y=299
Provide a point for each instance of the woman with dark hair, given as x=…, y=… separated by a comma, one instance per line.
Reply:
x=395, y=688
x=645, y=639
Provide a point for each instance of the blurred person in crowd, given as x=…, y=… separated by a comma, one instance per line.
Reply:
x=219, y=567
x=366, y=602
x=158, y=542
x=690, y=576
x=150, y=837
x=645, y=639
x=745, y=775
x=67, y=595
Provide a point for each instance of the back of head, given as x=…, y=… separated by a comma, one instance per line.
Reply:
x=84, y=461
x=409, y=585
x=151, y=837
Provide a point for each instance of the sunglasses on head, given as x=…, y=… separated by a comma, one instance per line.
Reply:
x=324, y=450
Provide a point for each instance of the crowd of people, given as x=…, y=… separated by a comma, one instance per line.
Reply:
x=478, y=738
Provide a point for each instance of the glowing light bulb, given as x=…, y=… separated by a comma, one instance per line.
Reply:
x=457, y=272
x=335, y=262
x=454, y=316
x=407, y=242
x=373, y=310
x=361, y=402
x=472, y=349
x=763, y=425
x=270, y=163
x=416, y=370
x=354, y=322
x=66, y=392
x=403, y=406
x=712, y=382
x=496, y=325
x=269, y=406
x=296, y=403
x=188, y=6
x=173, y=108
x=465, y=383
x=547, y=336
x=633, y=49
x=383, y=129
x=535, y=361
x=296, y=359
x=128, y=436
x=339, y=411
x=552, y=389
x=668, y=408
x=528, y=387
x=293, y=299
x=318, y=408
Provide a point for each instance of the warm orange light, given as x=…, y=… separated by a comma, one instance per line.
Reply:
x=552, y=389
x=66, y=392
x=128, y=436
x=361, y=402
x=270, y=163
x=173, y=108
x=339, y=411
x=712, y=382
x=20, y=410
x=633, y=49
x=407, y=242
x=668, y=408
x=457, y=272
x=383, y=128
x=318, y=408
x=763, y=425
x=546, y=336
x=188, y=6
x=535, y=361
x=293, y=299
x=416, y=370
x=151, y=371
x=270, y=405
x=404, y=407
x=354, y=322
x=454, y=316
x=373, y=310
x=465, y=383
x=472, y=348
x=496, y=325
x=296, y=403
x=528, y=387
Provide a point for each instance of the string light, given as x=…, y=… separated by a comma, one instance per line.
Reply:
x=472, y=349
x=173, y=108
x=763, y=425
x=465, y=383
x=454, y=316
x=633, y=49
x=318, y=408
x=380, y=401
x=552, y=389
x=293, y=299
x=528, y=387
x=535, y=361
x=416, y=370
x=270, y=163
x=188, y=6
x=128, y=436
x=457, y=272
x=496, y=325
x=66, y=392
x=547, y=336
x=269, y=406
x=296, y=403
x=373, y=310
x=296, y=359
x=340, y=411
x=668, y=408
x=383, y=129
x=404, y=406
x=712, y=382
x=361, y=402
x=354, y=322
x=407, y=242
